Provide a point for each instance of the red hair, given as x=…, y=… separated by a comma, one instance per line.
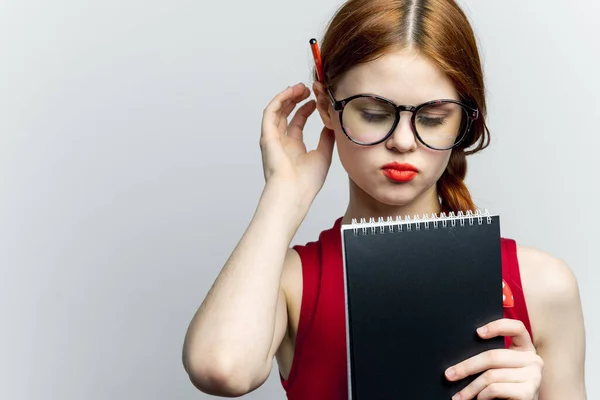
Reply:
x=363, y=30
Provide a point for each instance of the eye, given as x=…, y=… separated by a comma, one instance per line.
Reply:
x=374, y=116
x=431, y=120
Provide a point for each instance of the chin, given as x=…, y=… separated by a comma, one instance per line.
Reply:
x=397, y=196
x=395, y=200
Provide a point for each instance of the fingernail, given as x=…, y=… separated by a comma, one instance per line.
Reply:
x=482, y=331
x=457, y=396
x=450, y=373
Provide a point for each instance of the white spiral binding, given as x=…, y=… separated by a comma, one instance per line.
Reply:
x=416, y=222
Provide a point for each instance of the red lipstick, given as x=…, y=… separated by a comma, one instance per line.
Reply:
x=400, y=172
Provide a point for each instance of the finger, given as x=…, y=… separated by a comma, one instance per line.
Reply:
x=498, y=358
x=521, y=340
x=505, y=375
x=272, y=113
x=288, y=107
x=290, y=104
x=282, y=121
x=513, y=391
x=326, y=144
x=299, y=121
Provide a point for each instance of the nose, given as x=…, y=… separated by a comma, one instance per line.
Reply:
x=402, y=139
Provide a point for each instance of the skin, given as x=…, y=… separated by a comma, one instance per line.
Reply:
x=250, y=316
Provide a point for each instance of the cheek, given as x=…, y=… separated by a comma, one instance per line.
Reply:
x=357, y=160
x=337, y=127
x=346, y=149
x=436, y=162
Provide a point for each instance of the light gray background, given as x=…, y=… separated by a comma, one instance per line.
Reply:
x=118, y=119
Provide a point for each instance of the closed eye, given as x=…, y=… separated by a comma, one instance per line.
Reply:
x=430, y=120
x=370, y=116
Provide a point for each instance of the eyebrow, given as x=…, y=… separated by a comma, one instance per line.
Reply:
x=367, y=93
x=371, y=94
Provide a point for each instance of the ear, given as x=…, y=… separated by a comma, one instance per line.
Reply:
x=324, y=105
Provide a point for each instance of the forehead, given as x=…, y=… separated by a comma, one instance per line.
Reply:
x=404, y=76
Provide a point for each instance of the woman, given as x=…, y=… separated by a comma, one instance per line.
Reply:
x=377, y=55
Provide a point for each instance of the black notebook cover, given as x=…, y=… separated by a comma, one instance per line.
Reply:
x=416, y=291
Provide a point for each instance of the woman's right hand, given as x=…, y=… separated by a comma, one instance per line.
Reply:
x=284, y=154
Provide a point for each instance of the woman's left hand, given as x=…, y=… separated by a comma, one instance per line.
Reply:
x=513, y=374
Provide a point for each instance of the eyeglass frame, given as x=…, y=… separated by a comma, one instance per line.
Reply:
x=339, y=105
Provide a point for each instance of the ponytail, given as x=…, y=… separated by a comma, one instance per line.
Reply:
x=451, y=187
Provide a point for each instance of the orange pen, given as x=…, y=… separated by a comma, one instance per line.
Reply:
x=314, y=45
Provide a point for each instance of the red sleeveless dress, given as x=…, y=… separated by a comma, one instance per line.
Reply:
x=319, y=366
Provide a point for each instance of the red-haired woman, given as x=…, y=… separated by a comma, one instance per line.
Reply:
x=384, y=61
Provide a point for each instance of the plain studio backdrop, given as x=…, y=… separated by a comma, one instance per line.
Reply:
x=130, y=166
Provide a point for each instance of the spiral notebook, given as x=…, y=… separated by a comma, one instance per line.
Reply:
x=416, y=291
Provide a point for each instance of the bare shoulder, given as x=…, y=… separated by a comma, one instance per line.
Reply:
x=554, y=307
x=550, y=288
x=548, y=278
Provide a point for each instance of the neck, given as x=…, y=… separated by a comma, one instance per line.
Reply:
x=362, y=205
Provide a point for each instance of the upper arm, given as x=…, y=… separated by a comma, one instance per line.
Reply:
x=289, y=283
x=281, y=326
x=554, y=306
x=281, y=317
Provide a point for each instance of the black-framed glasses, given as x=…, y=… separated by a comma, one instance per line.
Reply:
x=438, y=124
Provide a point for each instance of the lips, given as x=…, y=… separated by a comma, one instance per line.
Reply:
x=398, y=172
